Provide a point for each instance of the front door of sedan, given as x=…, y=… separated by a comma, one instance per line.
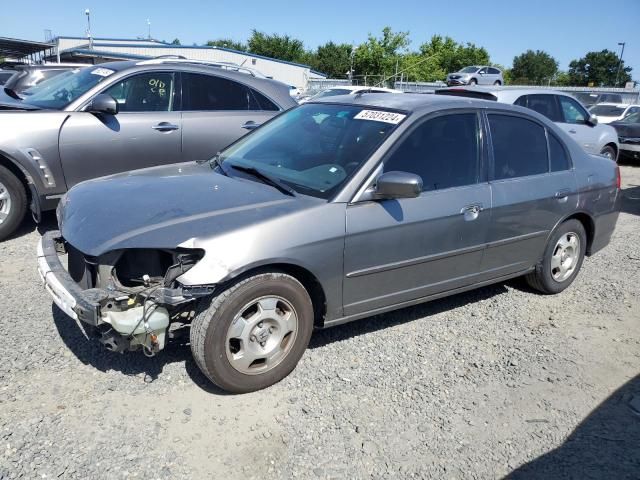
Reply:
x=216, y=111
x=575, y=121
x=145, y=132
x=401, y=250
x=533, y=187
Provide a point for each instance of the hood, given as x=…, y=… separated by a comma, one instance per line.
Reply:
x=626, y=129
x=162, y=207
x=7, y=102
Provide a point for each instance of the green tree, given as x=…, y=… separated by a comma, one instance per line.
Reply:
x=446, y=55
x=331, y=58
x=534, y=67
x=563, y=79
x=599, y=69
x=176, y=41
x=227, y=43
x=282, y=47
x=380, y=55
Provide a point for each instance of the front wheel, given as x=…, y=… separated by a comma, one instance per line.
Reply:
x=473, y=81
x=562, y=259
x=13, y=202
x=608, y=152
x=253, y=334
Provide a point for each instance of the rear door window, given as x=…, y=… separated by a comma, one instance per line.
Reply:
x=543, y=104
x=494, y=71
x=519, y=147
x=211, y=93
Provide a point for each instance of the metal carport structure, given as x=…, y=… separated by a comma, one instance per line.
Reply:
x=16, y=49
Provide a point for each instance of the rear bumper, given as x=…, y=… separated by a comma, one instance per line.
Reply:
x=79, y=304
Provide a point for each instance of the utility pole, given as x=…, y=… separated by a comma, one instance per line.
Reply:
x=88, y=14
x=148, y=29
x=619, y=62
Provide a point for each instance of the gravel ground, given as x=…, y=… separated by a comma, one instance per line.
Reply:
x=493, y=382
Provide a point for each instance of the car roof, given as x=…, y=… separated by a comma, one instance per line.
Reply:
x=501, y=94
x=613, y=104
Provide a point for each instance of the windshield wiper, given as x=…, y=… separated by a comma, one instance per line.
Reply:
x=266, y=179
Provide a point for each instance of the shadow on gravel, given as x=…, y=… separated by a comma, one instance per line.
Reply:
x=90, y=352
x=606, y=445
x=27, y=226
x=387, y=320
x=631, y=200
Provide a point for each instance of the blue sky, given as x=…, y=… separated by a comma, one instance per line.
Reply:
x=566, y=29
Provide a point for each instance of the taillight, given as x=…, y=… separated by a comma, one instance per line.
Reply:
x=618, y=179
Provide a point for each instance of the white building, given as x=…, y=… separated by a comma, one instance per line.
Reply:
x=79, y=49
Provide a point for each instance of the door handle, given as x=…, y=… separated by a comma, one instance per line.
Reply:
x=165, y=127
x=250, y=125
x=572, y=131
x=562, y=195
x=471, y=212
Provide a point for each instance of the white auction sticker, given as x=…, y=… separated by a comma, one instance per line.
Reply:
x=103, y=72
x=379, y=116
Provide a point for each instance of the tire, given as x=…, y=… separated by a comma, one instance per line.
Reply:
x=609, y=152
x=225, y=335
x=13, y=202
x=497, y=83
x=473, y=81
x=549, y=279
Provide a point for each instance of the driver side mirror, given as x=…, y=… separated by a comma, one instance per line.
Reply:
x=103, y=103
x=398, y=185
x=593, y=120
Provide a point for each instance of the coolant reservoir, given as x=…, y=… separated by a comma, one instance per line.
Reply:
x=125, y=322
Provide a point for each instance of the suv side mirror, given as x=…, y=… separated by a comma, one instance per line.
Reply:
x=103, y=103
x=398, y=185
x=593, y=120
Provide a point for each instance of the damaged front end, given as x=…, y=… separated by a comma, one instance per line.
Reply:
x=130, y=296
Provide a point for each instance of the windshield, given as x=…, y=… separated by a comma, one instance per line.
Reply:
x=633, y=118
x=58, y=92
x=469, y=70
x=332, y=92
x=607, y=110
x=313, y=148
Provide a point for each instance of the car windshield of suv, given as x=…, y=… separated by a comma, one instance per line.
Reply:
x=58, y=92
x=633, y=118
x=469, y=70
x=607, y=110
x=313, y=148
x=332, y=92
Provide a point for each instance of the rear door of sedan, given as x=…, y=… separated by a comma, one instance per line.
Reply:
x=216, y=111
x=404, y=249
x=532, y=187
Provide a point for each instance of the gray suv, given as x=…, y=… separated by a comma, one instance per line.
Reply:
x=476, y=75
x=122, y=116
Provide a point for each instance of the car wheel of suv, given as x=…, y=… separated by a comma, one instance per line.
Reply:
x=13, y=202
x=253, y=334
x=473, y=81
x=562, y=259
x=497, y=83
x=608, y=152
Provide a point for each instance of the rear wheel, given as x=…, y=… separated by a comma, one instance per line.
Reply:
x=13, y=202
x=253, y=334
x=562, y=259
x=609, y=152
x=497, y=83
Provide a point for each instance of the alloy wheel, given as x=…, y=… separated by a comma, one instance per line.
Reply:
x=5, y=203
x=565, y=256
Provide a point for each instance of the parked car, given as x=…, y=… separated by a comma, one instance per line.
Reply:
x=27, y=76
x=629, y=135
x=589, y=99
x=557, y=106
x=120, y=116
x=476, y=75
x=334, y=211
x=348, y=90
x=611, y=112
